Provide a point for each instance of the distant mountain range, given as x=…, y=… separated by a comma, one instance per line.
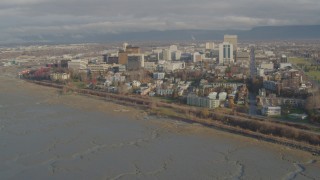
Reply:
x=257, y=33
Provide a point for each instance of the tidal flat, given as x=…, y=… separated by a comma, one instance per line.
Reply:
x=46, y=135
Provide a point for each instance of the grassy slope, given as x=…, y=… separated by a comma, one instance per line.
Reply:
x=312, y=73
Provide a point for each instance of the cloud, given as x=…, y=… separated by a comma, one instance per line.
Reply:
x=55, y=17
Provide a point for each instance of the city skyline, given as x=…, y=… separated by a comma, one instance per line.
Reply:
x=79, y=18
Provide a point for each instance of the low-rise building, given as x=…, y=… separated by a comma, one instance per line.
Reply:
x=116, y=77
x=164, y=92
x=158, y=75
x=136, y=83
x=59, y=76
x=226, y=85
x=260, y=72
x=150, y=66
x=270, y=85
x=267, y=66
x=278, y=101
x=285, y=65
x=207, y=102
x=222, y=96
x=119, y=68
x=172, y=66
x=243, y=58
x=271, y=111
x=78, y=65
x=98, y=67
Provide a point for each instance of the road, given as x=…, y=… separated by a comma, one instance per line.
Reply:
x=253, y=72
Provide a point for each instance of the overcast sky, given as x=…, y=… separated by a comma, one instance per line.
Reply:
x=80, y=17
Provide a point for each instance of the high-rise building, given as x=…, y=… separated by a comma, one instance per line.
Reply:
x=125, y=46
x=166, y=54
x=135, y=61
x=127, y=49
x=232, y=39
x=176, y=55
x=197, y=57
x=157, y=54
x=226, y=53
x=283, y=59
x=111, y=58
x=173, y=48
x=132, y=49
x=123, y=58
x=209, y=45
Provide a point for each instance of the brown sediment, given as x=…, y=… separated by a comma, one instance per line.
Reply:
x=254, y=128
x=94, y=103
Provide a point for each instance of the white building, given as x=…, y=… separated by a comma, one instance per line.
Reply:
x=150, y=66
x=207, y=102
x=172, y=66
x=98, y=67
x=173, y=48
x=197, y=57
x=59, y=76
x=176, y=55
x=226, y=53
x=157, y=53
x=283, y=59
x=267, y=66
x=225, y=85
x=271, y=111
x=67, y=57
x=270, y=53
x=209, y=45
x=136, y=83
x=222, y=96
x=260, y=72
x=213, y=95
x=124, y=46
x=166, y=54
x=164, y=92
x=78, y=65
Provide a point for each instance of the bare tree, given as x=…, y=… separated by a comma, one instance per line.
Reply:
x=313, y=102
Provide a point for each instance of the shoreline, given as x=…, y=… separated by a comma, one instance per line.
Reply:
x=140, y=107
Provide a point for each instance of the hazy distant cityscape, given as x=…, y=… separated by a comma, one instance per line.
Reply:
x=277, y=78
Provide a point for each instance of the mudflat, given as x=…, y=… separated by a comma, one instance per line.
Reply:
x=47, y=135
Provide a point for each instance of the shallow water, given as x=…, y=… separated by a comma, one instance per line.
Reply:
x=44, y=135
